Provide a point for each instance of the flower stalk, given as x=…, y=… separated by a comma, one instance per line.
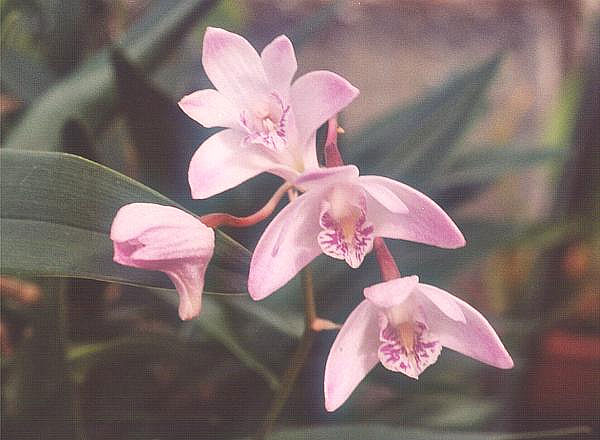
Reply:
x=218, y=219
x=298, y=359
x=387, y=265
x=333, y=158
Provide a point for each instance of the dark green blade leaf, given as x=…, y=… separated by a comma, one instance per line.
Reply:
x=42, y=381
x=380, y=431
x=216, y=323
x=22, y=76
x=407, y=143
x=468, y=173
x=161, y=29
x=39, y=248
x=63, y=26
x=89, y=94
x=165, y=137
x=483, y=166
x=56, y=213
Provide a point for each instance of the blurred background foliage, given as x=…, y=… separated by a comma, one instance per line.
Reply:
x=490, y=108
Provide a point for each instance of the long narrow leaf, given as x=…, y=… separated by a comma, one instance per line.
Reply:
x=89, y=94
x=410, y=141
x=56, y=213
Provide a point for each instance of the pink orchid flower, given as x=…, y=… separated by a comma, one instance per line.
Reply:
x=164, y=238
x=340, y=214
x=403, y=324
x=270, y=123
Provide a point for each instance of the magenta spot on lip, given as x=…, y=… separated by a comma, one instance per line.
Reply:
x=337, y=243
x=396, y=356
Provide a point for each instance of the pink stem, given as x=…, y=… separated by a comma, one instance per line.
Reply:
x=222, y=219
x=387, y=265
x=333, y=158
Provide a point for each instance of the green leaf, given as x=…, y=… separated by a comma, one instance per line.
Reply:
x=385, y=432
x=483, y=166
x=283, y=319
x=165, y=137
x=84, y=356
x=408, y=142
x=24, y=77
x=56, y=214
x=63, y=26
x=215, y=322
x=42, y=381
x=89, y=94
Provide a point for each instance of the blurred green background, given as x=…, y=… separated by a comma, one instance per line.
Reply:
x=491, y=108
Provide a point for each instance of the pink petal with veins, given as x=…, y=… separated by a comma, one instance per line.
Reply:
x=164, y=238
x=279, y=62
x=223, y=161
x=211, y=109
x=425, y=221
x=473, y=336
x=286, y=246
x=352, y=356
x=318, y=96
x=391, y=293
x=233, y=66
x=320, y=178
x=348, y=236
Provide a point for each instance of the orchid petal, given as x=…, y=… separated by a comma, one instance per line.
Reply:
x=308, y=151
x=279, y=62
x=136, y=217
x=210, y=108
x=443, y=301
x=321, y=178
x=189, y=282
x=473, y=337
x=316, y=97
x=391, y=293
x=287, y=245
x=223, y=162
x=233, y=66
x=385, y=197
x=352, y=356
x=425, y=221
x=164, y=238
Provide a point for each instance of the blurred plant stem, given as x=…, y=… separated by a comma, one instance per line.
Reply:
x=298, y=359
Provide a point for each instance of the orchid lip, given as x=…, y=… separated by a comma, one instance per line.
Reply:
x=346, y=234
x=267, y=124
x=408, y=348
